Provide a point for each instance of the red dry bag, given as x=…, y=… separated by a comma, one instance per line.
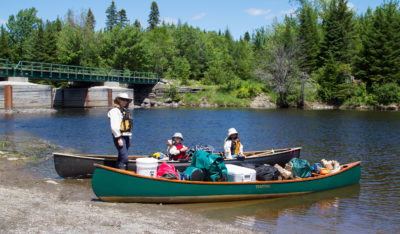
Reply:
x=167, y=171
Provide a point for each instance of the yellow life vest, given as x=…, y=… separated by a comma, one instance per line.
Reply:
x=235, y=149
x=126, y=123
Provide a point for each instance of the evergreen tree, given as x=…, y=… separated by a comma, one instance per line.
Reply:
x=337, y=51
x=154, y=16
x=90, y=21
x=112, y=16
x=378, y=62
x=339, y=32
x=122, y=18
x=247, y=36
x=5, y=51
x=50, y=40
x=37, y=52
x=137, y=24
x=309, y=38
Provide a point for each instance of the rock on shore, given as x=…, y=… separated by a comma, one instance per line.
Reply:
x=262, y=101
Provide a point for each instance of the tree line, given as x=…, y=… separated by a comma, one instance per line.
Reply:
x=323, y=52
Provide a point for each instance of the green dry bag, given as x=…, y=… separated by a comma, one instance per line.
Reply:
x=193, y=174
x=300, y=167
x=213, y=166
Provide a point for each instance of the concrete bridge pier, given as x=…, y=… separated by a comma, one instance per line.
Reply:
x=85, y=94
x=18, y=93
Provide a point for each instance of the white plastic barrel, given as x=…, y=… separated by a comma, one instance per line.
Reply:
x=146, y=166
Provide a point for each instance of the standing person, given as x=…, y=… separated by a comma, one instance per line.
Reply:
x=121, y=127
x=177, y=150
x=232, y=145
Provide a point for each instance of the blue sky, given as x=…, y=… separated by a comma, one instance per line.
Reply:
x=238, y=16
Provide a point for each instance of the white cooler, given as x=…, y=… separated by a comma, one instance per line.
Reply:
x=146, y=166
x=240, y=174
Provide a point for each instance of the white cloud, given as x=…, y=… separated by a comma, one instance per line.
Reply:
x=169, y=20
x=2, y=21
x=351, y=6
x=257, y=12
x=199, y=16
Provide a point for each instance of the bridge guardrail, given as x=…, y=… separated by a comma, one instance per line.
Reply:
x=60, y=71
x=41, y=70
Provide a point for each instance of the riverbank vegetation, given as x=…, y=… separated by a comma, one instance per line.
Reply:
x=323, y=52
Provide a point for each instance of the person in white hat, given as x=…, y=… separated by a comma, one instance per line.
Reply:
x=177, y=150
x=121, y=127
x=232, y=145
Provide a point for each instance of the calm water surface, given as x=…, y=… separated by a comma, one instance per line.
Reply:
x=347, y=136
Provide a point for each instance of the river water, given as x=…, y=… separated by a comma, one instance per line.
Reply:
x=347, y=136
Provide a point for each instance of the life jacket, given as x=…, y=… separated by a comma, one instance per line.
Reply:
x=181, y=155
x=235, y=146
x=126, y=123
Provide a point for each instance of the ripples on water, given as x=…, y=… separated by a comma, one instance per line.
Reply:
x=372, y=137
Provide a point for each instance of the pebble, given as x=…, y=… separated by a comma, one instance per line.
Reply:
x=51, y=182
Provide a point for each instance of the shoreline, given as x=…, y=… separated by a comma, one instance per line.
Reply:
x=32, y=204
x=319, y=106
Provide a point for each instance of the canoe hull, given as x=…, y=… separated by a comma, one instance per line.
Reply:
x=113, y=185
x=82, y=166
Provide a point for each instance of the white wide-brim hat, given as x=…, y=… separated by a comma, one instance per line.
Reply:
x=124, y=96
x=232, y=131
x=178, y=135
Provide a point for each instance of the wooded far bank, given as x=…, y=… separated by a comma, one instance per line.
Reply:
x=324, y=52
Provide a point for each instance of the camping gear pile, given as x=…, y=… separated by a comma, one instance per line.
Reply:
x=206, y=166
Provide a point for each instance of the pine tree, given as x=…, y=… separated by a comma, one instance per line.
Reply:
x=50, y=40
x=137, y=24
x=112, y=16
x=39, y=44
x=5, y=51
x=154, y=16
x=247, y=36
x=122, y=18
x=90, y=21
x=339, y=32
x=378, y=62
x=337, y=51
x=309, y=38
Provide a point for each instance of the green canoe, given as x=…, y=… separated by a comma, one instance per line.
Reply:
x=115, y=185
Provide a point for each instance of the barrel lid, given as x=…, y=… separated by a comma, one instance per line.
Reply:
x=146, y=160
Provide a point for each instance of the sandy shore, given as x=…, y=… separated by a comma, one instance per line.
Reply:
x=34, y=205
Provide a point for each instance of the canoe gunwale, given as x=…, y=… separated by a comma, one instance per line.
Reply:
x=113, y=157
x=131, y=173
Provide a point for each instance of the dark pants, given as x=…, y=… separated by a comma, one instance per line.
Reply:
x=122, y=152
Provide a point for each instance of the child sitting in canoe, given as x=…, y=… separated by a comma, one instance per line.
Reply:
x=232, y=145
x=177, y=150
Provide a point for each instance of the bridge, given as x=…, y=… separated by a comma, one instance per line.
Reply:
x=91, y=87
x=61, y=72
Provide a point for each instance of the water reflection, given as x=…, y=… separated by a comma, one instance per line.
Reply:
x=262, y=215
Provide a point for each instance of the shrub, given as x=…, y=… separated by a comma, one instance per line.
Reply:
x=387, y=93
x=173, y=94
